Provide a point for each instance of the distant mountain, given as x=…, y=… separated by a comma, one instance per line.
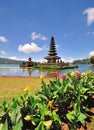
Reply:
x=9, y=61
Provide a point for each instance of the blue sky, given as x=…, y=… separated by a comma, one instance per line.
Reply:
x=26, y=27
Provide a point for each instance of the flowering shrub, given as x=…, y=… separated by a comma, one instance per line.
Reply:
x=64, y=100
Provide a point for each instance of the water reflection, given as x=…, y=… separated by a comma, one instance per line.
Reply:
x=17, y=71
x=50, y=72
x=29, y=71
x=32, y=72
x=9, y=71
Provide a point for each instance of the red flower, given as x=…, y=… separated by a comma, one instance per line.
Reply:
x=63, y=77
x=56, y=75
x=79, y=75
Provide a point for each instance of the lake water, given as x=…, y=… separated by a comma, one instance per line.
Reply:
x=15, y=70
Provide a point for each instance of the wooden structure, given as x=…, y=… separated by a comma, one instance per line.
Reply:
x=52, y=55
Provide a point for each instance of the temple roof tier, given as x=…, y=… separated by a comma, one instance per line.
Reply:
x=51, y=57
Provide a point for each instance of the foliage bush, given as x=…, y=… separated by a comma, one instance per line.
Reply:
x=91, y=59
x=66, y=99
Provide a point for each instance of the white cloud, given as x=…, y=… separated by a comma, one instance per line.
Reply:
x=3, y=39
x=90, y=33
x=13, y=58
x=70, y=60
x=35, y=36
x=91, y=53
x=57, y=46
x=28, y=48
x=3, y=52
x=41, y=60
x=23, y=59
x=63, y=59
x=90, y=15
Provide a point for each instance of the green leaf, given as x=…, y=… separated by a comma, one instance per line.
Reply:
x=35, y=120
x=13, y=117
x=40, y=126
x=56, y=117
x=82, y=118
x=34, y=102
x=16, y=115
x=43, y=97
x=43, y=111
x=84, y=90
x=65, y=86
x=71, y=115
x=14, y=104
x=56, y=87
x=18, y=126
x=5, y=126
x=1, y=126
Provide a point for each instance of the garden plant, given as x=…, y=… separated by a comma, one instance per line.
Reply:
x=66, y=99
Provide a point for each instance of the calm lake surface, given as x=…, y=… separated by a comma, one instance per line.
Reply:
x=15, y=70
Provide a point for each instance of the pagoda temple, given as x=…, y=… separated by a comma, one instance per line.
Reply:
x=52, y=55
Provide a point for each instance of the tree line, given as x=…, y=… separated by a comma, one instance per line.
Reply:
x=85, y=61
x=80, y=61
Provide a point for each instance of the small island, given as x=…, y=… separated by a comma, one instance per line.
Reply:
x=53, y=60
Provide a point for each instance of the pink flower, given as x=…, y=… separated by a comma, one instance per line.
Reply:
x=56, y=75
x=64, y=77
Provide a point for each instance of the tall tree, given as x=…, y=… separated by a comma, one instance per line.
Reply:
x=92, y=59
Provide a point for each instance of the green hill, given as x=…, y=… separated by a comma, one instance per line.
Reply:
x=9, y=61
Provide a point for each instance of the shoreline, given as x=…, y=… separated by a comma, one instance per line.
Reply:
x=7, y=76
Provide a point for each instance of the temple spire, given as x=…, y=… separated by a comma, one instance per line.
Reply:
x=52, y=55
x=52, y=48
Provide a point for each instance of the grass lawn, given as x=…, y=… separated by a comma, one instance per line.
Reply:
x=14, y=86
